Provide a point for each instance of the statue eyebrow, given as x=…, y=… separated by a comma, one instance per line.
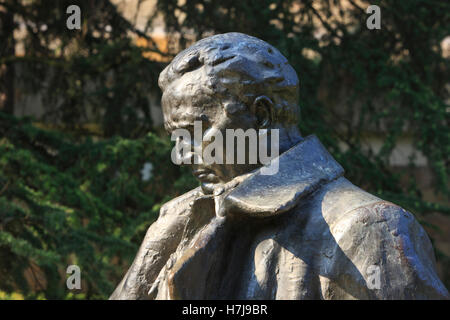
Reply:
x=184, y=125
x=169, y=125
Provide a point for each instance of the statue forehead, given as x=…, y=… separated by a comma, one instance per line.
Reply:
x=187, y=99
x=189, y=89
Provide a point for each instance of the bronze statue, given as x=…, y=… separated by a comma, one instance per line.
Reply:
x=303, y=232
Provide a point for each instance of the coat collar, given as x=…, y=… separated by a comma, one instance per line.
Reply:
x=302, y=170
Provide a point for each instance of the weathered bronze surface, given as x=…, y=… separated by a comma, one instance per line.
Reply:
x=304, y=233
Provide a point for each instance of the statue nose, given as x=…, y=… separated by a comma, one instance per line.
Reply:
x=188, y=151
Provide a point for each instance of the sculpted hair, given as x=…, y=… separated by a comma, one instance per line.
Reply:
x=239, y=67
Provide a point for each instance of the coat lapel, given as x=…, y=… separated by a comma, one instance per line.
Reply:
x=302, y=170
x=204, y=257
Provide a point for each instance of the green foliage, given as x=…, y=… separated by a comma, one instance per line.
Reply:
x=96, y=74
x=69, y=198
x=65, y=202
x=354, y=82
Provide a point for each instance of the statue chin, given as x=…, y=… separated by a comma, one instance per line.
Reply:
x=207, y=187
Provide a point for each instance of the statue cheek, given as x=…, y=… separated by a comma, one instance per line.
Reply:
x=213, y=150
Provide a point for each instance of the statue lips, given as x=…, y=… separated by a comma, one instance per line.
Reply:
x=205, y=175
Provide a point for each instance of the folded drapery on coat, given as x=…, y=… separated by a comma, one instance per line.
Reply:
x=303, y=233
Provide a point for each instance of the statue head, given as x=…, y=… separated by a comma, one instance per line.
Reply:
x=230, y=81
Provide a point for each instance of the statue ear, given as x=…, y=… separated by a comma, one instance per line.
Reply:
x=263, y=109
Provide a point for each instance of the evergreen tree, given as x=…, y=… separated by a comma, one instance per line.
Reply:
x=71, y=195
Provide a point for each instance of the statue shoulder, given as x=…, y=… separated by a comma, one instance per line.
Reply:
x=180, y=204
x=384, y=217
x=344, y=205
x=385, y=237
x=372, y=236
x=358, y=219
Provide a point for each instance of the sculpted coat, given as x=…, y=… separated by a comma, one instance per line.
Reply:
x=305, y=232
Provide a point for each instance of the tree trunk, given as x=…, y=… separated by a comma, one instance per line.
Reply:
x=7, y=70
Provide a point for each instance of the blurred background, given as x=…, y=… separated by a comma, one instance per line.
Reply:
x=84, y=160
